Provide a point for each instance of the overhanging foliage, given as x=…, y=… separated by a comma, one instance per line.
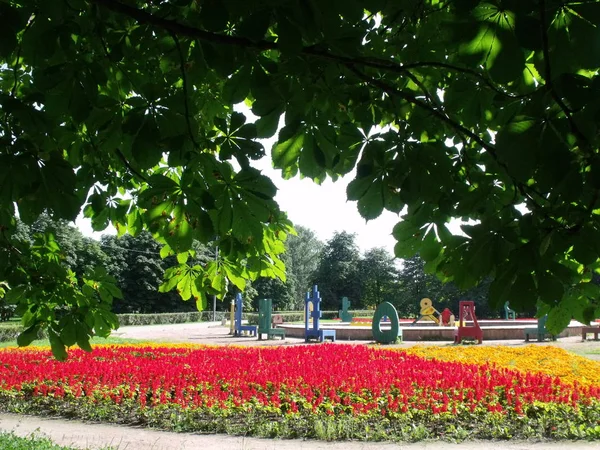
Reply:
x=453, y=109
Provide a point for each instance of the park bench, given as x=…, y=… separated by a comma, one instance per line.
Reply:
x=540, y=331
x=595, y=330
x=277, y=320
x=265, y=320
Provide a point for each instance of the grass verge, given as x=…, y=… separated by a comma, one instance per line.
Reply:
x=94, y=341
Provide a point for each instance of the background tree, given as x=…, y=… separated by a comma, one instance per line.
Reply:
x=303, y=253
x=337, y=275
x=378, y=277
x=136, y=264
x=476, y=110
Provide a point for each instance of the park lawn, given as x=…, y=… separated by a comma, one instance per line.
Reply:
x=10, y=441
x=326, y=391
x=94, y=341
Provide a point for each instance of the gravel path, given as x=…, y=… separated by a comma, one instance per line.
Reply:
x=93, y=436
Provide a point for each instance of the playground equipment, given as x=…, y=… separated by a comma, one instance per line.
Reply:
x=240, y=329
x=447, y=318
x=265, y=308
x=540, y=331
x=466, y=312
x=390, y=336
x=428, y=311
x=509, y=314
x=312, y=315
x=344, y=314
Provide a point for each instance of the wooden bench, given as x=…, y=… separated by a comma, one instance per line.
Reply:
x=595, y=330
x=277, y=319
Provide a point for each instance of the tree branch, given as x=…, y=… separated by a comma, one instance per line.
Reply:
x=16, y=66
x=390, y=90
x=548, y=76
x=129, y=166
x=196, y=33
x=185, y=90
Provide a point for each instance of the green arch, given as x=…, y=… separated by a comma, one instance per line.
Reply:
x=387, y=336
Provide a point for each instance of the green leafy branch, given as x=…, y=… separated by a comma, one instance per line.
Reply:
x=185, y=89
x=548, y=76
x=181, y=29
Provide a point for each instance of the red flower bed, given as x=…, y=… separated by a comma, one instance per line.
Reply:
x=327, y=379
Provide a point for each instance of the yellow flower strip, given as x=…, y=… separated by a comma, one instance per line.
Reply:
x=550, y=360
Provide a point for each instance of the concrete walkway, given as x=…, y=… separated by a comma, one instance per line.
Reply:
x=216, y=334
x=94, y=436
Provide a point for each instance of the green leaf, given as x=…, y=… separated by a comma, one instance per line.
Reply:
x=370, y=205
x=430, y=247
x=68, y=333
x=550, y=288
x=289, y=39
x=523, y=293
x=287, y=152
x=558, y=319
x=28, y=335
x=145, y=149
x=214, y=15
x=179, y=233
x=58, y=347
x=237, y=88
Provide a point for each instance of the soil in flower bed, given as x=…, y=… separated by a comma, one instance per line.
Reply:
x=324, y=391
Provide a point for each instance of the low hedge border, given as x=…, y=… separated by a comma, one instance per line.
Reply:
x=10, y=331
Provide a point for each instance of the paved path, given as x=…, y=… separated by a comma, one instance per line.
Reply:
x=93, y=436
x=215, y=333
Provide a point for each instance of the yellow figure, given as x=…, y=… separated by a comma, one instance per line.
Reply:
x=428, y=311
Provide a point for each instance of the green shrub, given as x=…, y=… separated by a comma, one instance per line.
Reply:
x=169, y=318
x=10, y=331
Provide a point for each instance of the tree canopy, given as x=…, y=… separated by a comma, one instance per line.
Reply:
x=451, y=109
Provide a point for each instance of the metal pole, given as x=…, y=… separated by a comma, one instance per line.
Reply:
x=214, y=296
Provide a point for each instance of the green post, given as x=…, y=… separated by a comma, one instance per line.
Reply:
x=345, y=315
x=386, y=336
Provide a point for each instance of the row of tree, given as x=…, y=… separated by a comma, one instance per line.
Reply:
x=336, y=266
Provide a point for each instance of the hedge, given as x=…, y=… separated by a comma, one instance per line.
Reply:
x=10, y=331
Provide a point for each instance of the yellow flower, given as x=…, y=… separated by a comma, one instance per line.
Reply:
x=550, y=360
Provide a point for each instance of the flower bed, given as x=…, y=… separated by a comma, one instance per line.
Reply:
x=325, y=391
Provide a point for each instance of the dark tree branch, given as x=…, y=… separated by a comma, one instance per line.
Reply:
x=185, y=90
x=391, y=90
x=196, y=33
x=16, y=66
x=548, y=75
x=130, y=167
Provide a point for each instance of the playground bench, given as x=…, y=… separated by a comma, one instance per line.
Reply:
x=540, y=331
x=595, y=330
x=265, y=321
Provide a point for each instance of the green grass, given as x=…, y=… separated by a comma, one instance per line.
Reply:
x=93, y=341
x=10, y=441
